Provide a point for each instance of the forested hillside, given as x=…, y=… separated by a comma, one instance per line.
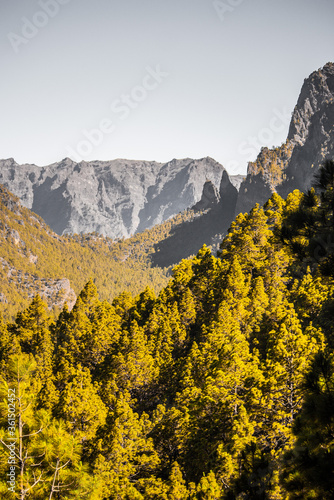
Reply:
x=220, y=387
x=34, y=259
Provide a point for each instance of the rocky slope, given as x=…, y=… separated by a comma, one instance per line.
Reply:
x=212, y=216
x=116, y=198
x=310, y=140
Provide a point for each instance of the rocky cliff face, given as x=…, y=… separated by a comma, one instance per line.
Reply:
x=311, y=130
x=116, y=198
x=210, y=220
x=310, y=140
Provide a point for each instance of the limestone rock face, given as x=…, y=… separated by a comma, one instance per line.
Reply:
x=310, y=141
x=316, y=94
x=236, y=180
x=114, y=198
x=263, y=177
x=56, y=292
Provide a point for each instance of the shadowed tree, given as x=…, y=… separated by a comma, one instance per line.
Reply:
x=309, y=467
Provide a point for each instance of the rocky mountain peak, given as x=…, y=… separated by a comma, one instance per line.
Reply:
x=317, y=91
x=310, y=141
x=121, y=197
x=9, y=162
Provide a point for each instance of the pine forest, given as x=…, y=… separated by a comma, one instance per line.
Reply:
x=219, y=384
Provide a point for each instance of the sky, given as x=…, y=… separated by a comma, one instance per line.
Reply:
x=155, y=79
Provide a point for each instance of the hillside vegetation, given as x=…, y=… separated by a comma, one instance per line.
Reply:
x=33, y=259
x=220, y=387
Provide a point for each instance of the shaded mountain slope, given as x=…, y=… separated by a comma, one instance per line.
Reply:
x=212, y=218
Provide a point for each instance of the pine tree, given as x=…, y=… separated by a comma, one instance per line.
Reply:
x=177, y=486
x=274, y=209
x=89, y=297
x=81, y=407
x=61, y=455
x=133, y=368
x=144, y=305
x=127, y=454
x=309, y=295
x=248, y=240
x=208, y=489
x=123, y=305
x=103, y=336
x=32, y=329
x=45, y=455
x=309, y=467
x=23, y=388
x=72, y=329
x=206, y=268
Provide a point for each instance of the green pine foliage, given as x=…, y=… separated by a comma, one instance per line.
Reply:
x=219, y=387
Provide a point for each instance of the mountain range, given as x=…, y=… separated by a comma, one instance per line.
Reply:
x=119, y=198
x=167, y=211
x=115, y=198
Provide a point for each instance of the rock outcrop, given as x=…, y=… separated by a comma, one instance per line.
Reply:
x=55, y=292
x=212, y=216
x=210, y=197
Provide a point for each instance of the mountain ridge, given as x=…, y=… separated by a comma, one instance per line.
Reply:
x=117, y=198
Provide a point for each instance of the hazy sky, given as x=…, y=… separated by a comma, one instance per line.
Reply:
x=155, y=79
